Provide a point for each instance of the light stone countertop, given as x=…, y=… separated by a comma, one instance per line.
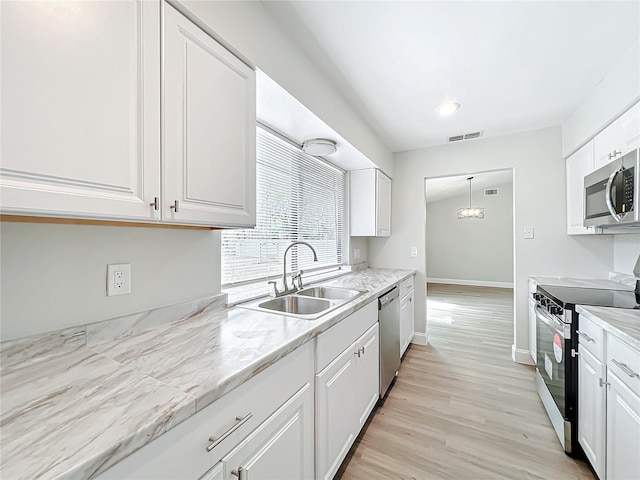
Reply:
x=603, y=283
x=75, y=414
x=621, y=322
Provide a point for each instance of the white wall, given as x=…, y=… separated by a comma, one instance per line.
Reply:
x=539, y=192
x=616, y=93
x=54, y=276
x=250, y=30
x=471, y=250
x=626, y=249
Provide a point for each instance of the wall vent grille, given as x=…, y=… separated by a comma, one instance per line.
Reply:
x=465, y=136
x=489, y=192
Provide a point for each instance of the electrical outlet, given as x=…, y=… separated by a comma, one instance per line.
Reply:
x=528, y=232
x=118, y=279
x=414, y=251
x=356, y=253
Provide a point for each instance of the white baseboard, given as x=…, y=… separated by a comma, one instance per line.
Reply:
x=473, y=283
x=520, y=355
x=419, y=339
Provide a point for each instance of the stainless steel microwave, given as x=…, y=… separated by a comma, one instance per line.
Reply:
x=611, y=193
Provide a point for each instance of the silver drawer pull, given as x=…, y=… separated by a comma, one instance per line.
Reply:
x=239, y=422
x=603, y=383
x=240, y=473
x=585, y=336
x=625, y=368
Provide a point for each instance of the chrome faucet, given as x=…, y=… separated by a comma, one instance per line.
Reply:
x=297, y=277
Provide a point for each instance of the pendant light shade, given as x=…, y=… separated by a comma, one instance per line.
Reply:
x=470, y=212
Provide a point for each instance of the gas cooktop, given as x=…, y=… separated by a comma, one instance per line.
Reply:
x=591, y=296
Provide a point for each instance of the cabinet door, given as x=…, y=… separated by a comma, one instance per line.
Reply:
x=592, y=410
x=209, y=158
x=578, y=165
x=368, y=374
x=281, y=448
x=532, y=330
x=80, y=109
x=383, y=205
x=336, y=416
x=619, y=138
x=406, y=322
x=216, y=473
x=623, y=431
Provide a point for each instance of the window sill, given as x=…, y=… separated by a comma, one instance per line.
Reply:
x=259, y=289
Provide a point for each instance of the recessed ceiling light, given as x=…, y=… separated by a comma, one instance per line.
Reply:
x=319, y=147
x=447, y=108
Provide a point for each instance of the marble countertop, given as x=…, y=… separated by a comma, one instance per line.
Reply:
x=75, y=414
x=603, y=283
x=621, y=322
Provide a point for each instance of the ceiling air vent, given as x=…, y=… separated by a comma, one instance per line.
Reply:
x=488, y=192
x=465, y=136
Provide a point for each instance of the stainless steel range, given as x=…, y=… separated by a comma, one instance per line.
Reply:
x=557, y=329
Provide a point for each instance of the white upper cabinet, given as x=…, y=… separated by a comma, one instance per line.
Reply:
x=619, y=138
x=209, y=129
x=80, y=109
x=370, y=198
x=83, y=85
x=578, y=165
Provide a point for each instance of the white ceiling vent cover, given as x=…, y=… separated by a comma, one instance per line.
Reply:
x=466, y=136
x=489, y=192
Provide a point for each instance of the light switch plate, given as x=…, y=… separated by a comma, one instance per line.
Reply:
x=528, y=232
x=356, y=253
x=118, y=279
x=414, y=251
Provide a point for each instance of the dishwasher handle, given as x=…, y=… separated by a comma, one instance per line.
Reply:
x=387, y=298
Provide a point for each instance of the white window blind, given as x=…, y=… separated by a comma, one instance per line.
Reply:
x=299, y=197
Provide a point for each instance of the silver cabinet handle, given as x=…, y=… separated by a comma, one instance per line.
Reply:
x=574, y=353
x=239, y=422
x=357, y=353
x=603, y=383
x=614, y=154
x=585, y=336
x=625, y=368
x=176, y=206
x=241, y=473
x=156, y=203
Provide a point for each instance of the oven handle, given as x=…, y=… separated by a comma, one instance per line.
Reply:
x=554, y=324
x=607, y=195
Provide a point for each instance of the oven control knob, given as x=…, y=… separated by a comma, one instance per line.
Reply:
x=544, y=302
x=537, y=297
x=555, y=310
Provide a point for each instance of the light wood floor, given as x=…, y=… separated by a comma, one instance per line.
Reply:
x=460, y=407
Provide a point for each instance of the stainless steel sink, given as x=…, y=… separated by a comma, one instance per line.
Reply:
x=296, y=304
x=332, y=293
x=307, y=304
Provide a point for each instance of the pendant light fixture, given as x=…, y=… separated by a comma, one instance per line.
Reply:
x=470, y=212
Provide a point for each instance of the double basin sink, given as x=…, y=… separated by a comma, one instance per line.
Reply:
x=309, y=303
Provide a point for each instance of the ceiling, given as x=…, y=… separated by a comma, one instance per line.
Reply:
x=513, y=66
x=446, y=187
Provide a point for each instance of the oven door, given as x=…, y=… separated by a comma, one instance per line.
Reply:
x=551, y=346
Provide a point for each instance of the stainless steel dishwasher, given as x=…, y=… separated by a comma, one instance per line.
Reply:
x=389, y=318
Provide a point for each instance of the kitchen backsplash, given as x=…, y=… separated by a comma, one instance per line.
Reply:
x=626, y=249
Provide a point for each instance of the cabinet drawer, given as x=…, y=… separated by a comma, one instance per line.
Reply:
x=334, y=341
x=182, y=451
x=624, y=361
x=591, y=337
x=406, y=286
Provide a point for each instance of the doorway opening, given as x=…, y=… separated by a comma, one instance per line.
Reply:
x=469, y=251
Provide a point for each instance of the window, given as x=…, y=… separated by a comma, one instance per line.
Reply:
x=299, y=197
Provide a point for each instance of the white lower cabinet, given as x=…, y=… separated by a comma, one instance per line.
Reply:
x=347, y=386
x=623, y=431
x=281, y=448
x=407, y=312
x=608, y=402
x=264, y=426
x=592, y=409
